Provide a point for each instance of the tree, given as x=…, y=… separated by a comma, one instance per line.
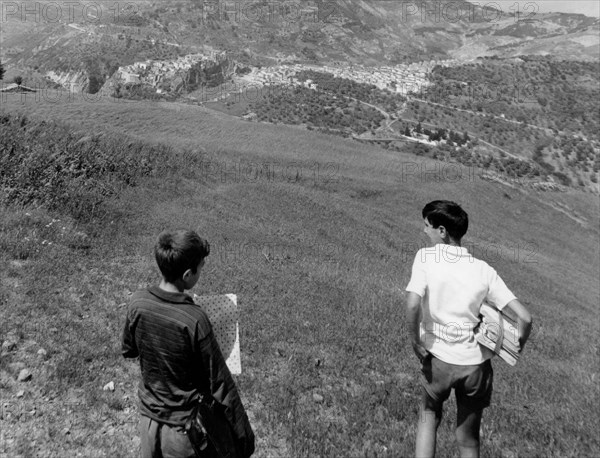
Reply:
x=94, y=84
x=1, y=71
x=18, y=80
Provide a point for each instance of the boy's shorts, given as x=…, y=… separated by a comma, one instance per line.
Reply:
x=472, y=384
x=160, y=440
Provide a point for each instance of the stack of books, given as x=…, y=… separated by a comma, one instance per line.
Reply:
x=499, y=333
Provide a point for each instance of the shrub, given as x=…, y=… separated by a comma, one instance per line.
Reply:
x=47, y=164
x=564, y=179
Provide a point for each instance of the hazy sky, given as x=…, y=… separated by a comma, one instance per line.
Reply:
x=587, y=7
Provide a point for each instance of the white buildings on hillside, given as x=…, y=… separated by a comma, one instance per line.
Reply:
x=153, y=72
x=401, y=79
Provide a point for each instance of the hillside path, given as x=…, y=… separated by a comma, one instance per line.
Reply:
x=499, y=118
x=389, y=121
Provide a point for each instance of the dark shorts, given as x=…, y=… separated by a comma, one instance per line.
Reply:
x=472, y=384
x=163, y=441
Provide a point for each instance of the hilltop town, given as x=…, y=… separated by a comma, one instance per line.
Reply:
x=401, y=79
x=175, y=76
x=184, y=73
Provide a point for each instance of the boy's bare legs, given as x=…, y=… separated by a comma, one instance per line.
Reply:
x=468, y=422
x=430, y=416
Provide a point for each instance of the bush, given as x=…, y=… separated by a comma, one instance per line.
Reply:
x=564, y=179
x=46, y=164
x=300, y=105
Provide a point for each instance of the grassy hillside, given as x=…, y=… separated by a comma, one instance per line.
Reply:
x=316, y=236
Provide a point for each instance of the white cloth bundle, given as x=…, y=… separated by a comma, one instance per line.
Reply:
x=223, y=312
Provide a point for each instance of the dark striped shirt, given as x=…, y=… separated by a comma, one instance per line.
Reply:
x=179, y=359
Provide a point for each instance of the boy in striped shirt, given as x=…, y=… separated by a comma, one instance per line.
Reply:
x=178, y=353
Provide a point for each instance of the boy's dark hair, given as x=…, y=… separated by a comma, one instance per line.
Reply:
x=447, y=214
x=178, y=251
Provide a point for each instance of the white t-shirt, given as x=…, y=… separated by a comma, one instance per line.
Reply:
x=453, y=285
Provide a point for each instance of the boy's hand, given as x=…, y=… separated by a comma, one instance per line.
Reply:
x=522, y=343
x=524, y=321
x=413, y=317
x=420, y=350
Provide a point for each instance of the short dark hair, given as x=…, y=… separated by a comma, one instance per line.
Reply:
x=448, y=214
x=178, y=251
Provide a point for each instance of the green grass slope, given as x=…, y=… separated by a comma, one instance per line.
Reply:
x=316, y=235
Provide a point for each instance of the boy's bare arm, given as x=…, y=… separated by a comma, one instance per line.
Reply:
x=413, y=317
x=524, y=320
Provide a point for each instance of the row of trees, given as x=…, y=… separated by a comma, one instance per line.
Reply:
x=342, y=87
x=509, y=167
x=316, y=109
x=541, y=91
x=452, y=138
x=516, y=138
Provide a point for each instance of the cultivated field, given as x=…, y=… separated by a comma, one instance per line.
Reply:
x=316, y=235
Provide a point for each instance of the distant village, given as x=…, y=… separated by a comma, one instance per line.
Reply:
x=401, y=79
x=154, y=72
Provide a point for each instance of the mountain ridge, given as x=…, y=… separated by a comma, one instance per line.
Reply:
x=263, y=33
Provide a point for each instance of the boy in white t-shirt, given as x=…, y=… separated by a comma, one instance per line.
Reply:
x=445, y=293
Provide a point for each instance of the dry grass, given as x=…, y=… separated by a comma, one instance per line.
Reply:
x=319, y=265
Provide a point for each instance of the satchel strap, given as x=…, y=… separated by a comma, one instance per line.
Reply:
x=500, y=339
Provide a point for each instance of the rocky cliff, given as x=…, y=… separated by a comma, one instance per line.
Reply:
x=73, y=81
x=179, y=76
